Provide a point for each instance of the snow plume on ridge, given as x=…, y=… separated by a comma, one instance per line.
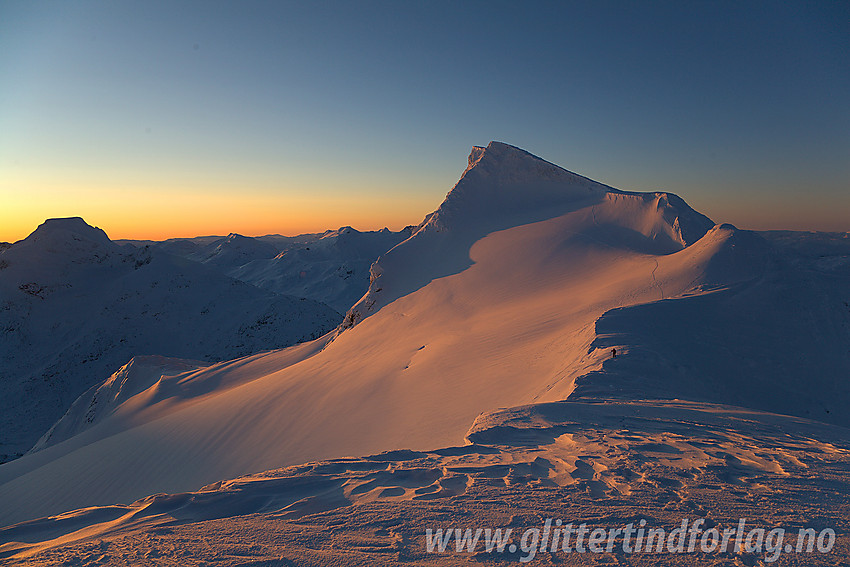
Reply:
x=503, y=187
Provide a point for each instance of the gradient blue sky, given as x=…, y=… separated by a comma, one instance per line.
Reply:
x=156, y=119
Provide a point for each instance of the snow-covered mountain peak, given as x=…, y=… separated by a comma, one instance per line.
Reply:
x=71, y=229
x=74, y=306
x=234, y=249
x=496, y=152
x=65, y=242
x=505, y=187
x=332, y=266
x=341, y=231
x=502, y=179
x=510, y=163
x=235, y=240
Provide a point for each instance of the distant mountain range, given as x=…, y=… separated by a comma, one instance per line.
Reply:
x=540, y=340
x=331, y=267
x=75, y=306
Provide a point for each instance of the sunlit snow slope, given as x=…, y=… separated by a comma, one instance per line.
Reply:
x=514, y=291
x=75, y=306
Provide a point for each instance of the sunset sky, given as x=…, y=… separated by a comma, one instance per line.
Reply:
x=164, y=119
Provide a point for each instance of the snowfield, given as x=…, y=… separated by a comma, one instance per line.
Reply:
x=541, y=346
x=606, y=463
x=331, y=267
x=75, y=306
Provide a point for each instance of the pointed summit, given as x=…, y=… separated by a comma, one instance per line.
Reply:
x=498, y=154
x=502, y=159
x=505, y=187
x=503, y=179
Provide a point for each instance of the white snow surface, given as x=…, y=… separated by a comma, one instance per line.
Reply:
x=505, y=187
x=234, y=250
x=511, y=295
x=331, y=267
x=75, y=306
x=99, y=401
x=602, y=462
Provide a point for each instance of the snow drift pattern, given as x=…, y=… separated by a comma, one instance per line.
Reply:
x=513, y=294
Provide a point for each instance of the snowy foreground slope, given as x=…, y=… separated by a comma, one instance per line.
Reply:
x=511, y=295
x=604, y=464
x=74, y=307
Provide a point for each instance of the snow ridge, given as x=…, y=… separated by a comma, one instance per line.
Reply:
x=502, y=178
x=503, y=187
x=504, y=310
x=74, y=306
x=99, y=401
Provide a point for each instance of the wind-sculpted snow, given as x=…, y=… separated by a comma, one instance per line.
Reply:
x=598, y=461
x=529, y=286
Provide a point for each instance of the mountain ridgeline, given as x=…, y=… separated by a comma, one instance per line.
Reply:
x=501, y=313
x=75, y=306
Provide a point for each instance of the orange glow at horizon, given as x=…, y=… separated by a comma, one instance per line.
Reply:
x=150, y=209
x=145, y=215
